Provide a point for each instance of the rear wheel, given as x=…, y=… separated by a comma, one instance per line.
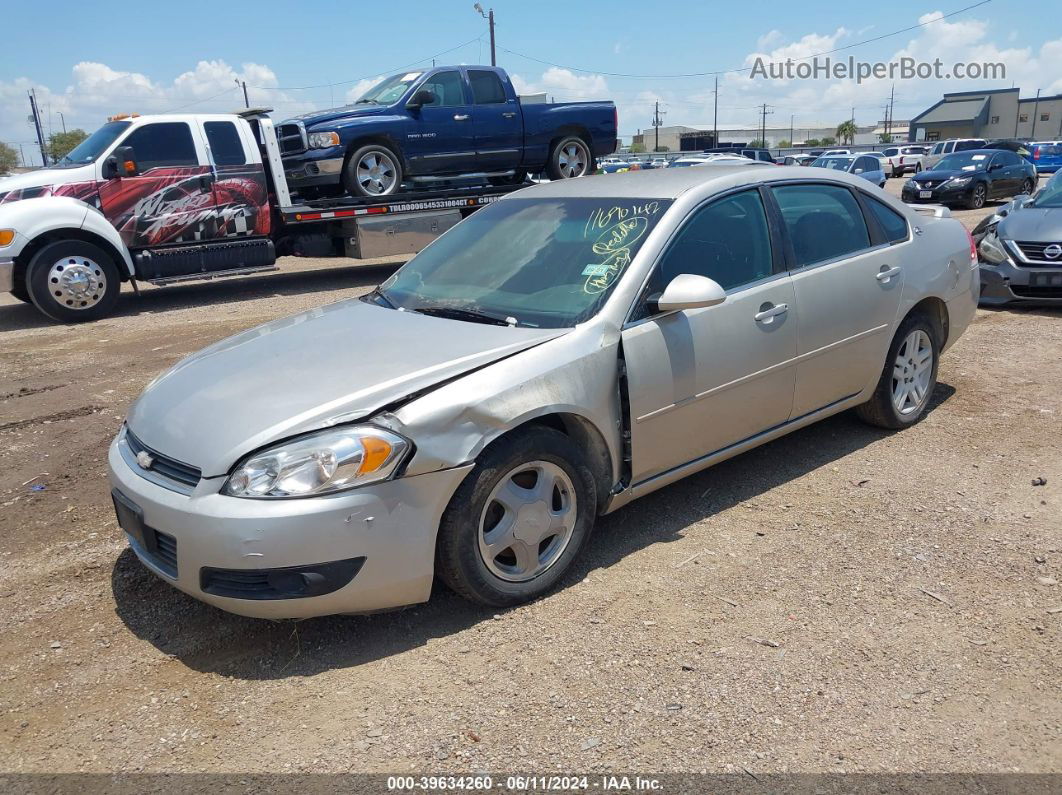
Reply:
x=1027, y=186
x=372, y=171
x=569, y=158
x=908, y=378
x=73, y=281
x=517, y=522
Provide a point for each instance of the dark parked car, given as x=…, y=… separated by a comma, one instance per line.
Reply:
x=1019, y=248
x=971, y=178
x=440, y=124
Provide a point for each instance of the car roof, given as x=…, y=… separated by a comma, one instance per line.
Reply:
x=666, y=183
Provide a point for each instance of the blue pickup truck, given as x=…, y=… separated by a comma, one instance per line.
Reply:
x=442, y=124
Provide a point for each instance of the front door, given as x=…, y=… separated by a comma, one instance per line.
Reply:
x=499, y=127
x=847, y=288
x=702, y=380
x=171, y=199
x=439, y=136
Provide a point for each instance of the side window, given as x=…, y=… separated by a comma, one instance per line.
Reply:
x=447, y=88
x=823, y=221
x=948, y=147
x=867, y=164
x=894, y=224
x=225, y=144
x=728, y=241
x=163, y=144
x=1010, y=158
x=938, y=149
x=963, y=146
x=487, y=88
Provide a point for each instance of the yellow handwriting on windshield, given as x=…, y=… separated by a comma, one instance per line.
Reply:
x=617, y=229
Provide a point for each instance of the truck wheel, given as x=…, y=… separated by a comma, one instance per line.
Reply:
x=18, y=290
x=372, y=170
x=73, y=281
x=517, y=522
x=570, y=158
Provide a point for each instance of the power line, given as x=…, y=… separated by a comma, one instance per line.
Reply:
x=745, y=68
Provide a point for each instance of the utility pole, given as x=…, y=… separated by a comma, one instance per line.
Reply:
x=715, y=116
x=790, y=129
x=243, y=84
x=892, y=105
x=62, y=118
x=656, y=125
x=763, y=126
x=1036, y=112
x=37, y=126
x=489, y=16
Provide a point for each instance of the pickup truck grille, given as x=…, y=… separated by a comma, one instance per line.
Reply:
x=292, y=139
x=1034, y=251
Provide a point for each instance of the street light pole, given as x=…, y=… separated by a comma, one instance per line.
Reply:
x=489, y=16
x=62, y=118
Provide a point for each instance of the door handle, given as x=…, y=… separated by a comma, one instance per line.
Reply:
x=768, y=312
x=885, y=275
x=460, y=117
x=509, y=115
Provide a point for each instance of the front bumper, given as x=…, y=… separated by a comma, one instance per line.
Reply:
x=7, y=275
x=391, y=526
x=314, y=167
x=940, y=195
x=1007, y=284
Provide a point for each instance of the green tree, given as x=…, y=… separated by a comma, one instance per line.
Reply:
x=664, y=149
x=60, y=143
x=8, y=159
x=828, y=141
x=785, y=143
x=637, y=148
x=846, y=131
x=885, y=138
x=812, y=142
x=758, y=143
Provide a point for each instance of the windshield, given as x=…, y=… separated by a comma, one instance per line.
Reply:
x=388, y=91
x=836, y=163
x=548, y=263
x=92, y=147
x=1051, y=195
x=967, y=161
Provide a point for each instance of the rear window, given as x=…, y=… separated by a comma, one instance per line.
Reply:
x=962, y=146
x=487, y=88
x=824, y=222
x=224, y=143
x=894, y=224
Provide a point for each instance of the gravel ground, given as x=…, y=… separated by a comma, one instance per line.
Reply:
x=840, y=599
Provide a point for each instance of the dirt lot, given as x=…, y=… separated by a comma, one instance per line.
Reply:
x=841, y=599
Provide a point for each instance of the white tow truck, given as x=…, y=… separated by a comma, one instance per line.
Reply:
x=168, y=198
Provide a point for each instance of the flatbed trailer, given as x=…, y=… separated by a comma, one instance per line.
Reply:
x=225, y=210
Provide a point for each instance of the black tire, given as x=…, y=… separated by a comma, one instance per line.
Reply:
x=19, y=291
x=880, y=410
x=1026, y=186
x=458, y=561
x=558, y=168
x=519, y=178
x=977, y=197
x=58, y=301
x=353, y=185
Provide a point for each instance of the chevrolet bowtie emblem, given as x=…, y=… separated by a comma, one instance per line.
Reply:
x=144, y=460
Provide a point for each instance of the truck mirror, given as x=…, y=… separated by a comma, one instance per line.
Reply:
x=421, y=98
x=122, y=163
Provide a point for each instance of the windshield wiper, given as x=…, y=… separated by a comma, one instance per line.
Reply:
x=377, y=295
x=366, y=102
x=471, y=315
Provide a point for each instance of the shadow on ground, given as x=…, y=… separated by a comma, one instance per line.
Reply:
x=208, y=639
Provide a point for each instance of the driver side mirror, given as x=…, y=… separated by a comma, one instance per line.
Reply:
x=121, y=163
x=420, y=98
x=995, y=167
x=858, y=171
x=687, y=291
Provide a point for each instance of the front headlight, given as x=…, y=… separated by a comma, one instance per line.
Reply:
x=991, y=249
x=323, y=140
x=319, y=463
x=958, y=182
x=910, y=184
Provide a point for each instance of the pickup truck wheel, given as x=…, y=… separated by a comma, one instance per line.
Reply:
x=371, y=171
x=518, y=520
x=73, y=281
x=18, y=290
x=570, y=158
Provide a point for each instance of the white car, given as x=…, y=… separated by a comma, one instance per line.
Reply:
x=903, y=159
x=829, y=152
x=886, y=165
x=712, y=158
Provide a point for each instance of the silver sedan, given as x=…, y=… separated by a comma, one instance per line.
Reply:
x=566, y=350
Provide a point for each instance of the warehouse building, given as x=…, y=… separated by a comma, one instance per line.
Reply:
x=995, y=113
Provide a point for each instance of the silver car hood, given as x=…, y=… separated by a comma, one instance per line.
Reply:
x=1037, y=224
x=338, y=363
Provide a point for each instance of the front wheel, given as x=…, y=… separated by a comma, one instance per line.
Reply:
x=517, y=522
x=372, y=171
x=73, y=281
x=977, y=197
x=908, y=378
x=569, y=158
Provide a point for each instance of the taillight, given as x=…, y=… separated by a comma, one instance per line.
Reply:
x=973, y=248
x=1036, y=153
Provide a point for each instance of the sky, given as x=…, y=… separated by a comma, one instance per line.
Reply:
x=91, y=60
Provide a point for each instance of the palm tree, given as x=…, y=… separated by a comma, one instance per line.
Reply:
x=846, y=131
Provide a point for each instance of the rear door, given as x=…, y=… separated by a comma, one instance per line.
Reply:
x=439, y=138
x=847, y=280
x=498, y=124
x=701, y=380
x=240, y=191
x=171, y=199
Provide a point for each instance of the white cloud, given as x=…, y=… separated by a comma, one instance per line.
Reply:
x=355, y=92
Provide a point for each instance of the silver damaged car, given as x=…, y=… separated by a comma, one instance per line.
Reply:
x=554, y=356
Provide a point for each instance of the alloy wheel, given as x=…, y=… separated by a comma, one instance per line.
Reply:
x=376, y=173
x=912, y=372
x=573, y=159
